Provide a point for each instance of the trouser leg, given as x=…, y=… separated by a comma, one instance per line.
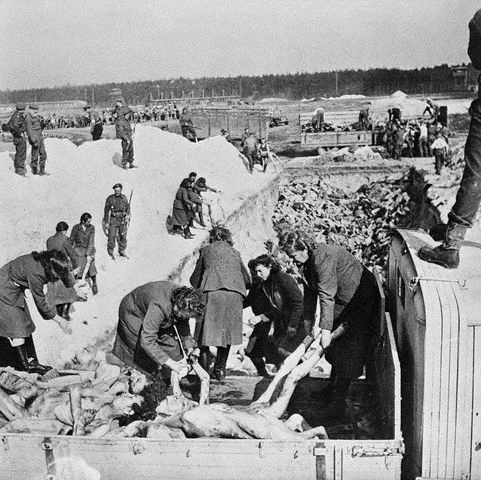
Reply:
x=111, y=236
x=42, y=154
x=131, y=152
x=34, y=159
x=122, y=238
x=20, y=154
x=125, y=153
x=468, y=197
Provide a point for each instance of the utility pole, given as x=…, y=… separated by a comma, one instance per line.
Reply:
x=93, y=96
x=158, y=91
x=337, y=83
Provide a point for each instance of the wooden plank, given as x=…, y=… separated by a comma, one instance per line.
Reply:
x=438, y=462
x=452, y=416
x=431, y=352
x=463, y=439
x=476, y=415
x=144, y=459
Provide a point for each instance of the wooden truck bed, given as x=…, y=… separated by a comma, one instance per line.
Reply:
x=66, y=457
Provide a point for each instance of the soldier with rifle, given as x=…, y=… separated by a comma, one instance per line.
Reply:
x=116, y=220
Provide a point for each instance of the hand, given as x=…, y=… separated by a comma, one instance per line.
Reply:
x=81, y=293
x=291, y=332
x=75, y=271
x=63, y=324
x=90, y=258
x=325, y=338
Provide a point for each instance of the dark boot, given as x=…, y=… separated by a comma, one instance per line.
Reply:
x=95, y=289
x=42, y=171
x=205, y=359
x=220, y=363
x=261, y=367
x=34, y=170
x=446, y=254
x=188, y=233
x=27, y=358
x=337, y=406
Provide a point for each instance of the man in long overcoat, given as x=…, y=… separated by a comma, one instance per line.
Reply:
x=18, y=129
x=123, y=130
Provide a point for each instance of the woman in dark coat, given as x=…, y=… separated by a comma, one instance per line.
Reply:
x=223, y=277
x=278, y=305
x=83, y=241
x=57, y=293
x=31, y=271
x=183, y=210
x=347, y=294
x=149, y=318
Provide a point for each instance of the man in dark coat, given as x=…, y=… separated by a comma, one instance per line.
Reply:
x=347, y=293
x=153, y=330
x=34, y=133
x=116, y=220
x=57, y=293
x=16, y=126
x=468, y=197
x=250, y=150
x=83, y=241
x=123, y=130
x=221, y=274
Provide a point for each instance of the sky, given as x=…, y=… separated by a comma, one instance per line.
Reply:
x=48, y=43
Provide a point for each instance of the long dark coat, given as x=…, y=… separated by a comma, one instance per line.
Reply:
x=145, y=337
x=57, y=292
x=83, y=241
x=15, y=277
x=347, y=292
x=281, y=301
x=221, y=274
x=182, y=210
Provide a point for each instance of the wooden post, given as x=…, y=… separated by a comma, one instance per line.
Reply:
x=209, y=126
x=227, y=122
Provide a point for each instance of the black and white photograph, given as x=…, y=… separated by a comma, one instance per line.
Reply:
x=240, y=240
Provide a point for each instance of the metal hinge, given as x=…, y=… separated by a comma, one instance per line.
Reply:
x=414, y=281
x=358, y=451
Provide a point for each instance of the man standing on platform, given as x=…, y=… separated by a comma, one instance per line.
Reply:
x=123, y=130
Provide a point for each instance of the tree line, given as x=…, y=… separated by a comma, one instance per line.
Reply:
x=294, y=86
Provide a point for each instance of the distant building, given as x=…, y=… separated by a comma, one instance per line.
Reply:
x=465, y=77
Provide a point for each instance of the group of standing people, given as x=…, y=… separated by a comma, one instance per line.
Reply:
x=79, y=249
x=153, y=332
x=25, y=125
x=188, y=206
